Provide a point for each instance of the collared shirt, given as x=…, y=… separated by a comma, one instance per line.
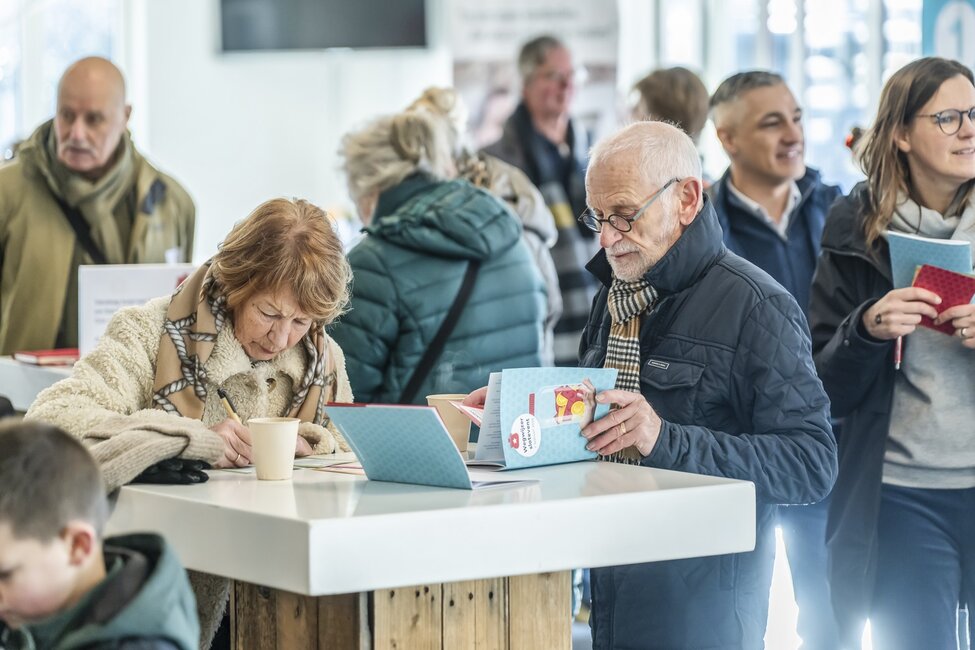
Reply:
x=782, y=227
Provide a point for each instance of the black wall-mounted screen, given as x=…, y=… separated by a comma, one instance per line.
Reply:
x=319, y=24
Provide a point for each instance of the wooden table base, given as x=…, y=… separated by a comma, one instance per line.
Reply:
x=517, y=613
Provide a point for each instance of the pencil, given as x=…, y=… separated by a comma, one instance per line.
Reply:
x=228, y=406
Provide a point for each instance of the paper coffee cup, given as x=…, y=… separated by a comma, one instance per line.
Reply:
x=458, y=426
x=273, y=442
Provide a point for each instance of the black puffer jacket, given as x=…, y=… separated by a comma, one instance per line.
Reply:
x=726, y=362
x=858, y=373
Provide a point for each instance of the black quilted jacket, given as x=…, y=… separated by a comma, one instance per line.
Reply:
x=726, y=363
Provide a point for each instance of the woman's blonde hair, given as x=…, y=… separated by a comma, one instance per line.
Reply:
x=885, y=165
x=285, y=244
x=381, y=155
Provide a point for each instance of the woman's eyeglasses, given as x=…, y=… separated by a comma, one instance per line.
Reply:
x=621, y=223
x=950, y=119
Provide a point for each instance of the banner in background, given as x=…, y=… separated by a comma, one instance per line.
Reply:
x=485, y=38
x=948, y=30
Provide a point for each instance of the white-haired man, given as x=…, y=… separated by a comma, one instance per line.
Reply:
x=715, y=377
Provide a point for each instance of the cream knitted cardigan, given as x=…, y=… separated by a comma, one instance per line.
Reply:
x=107, y=403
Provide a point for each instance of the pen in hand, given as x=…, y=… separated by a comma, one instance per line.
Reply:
x=228, y=406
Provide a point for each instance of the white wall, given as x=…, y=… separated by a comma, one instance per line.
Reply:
x=237, y=129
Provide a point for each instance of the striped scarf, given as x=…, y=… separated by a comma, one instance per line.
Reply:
x=627, y=300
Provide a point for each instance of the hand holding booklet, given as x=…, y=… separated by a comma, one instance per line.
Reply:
x=535, y=416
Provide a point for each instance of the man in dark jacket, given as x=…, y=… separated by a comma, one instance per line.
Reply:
x=772, y=208
x=541, y=139
x=716, y=377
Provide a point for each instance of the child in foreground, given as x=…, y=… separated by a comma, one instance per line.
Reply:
x=60, y=586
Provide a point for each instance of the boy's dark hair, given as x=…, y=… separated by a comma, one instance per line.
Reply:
x=47, y=479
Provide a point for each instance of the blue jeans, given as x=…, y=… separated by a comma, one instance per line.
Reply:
x=804, y=534
x=925, y=567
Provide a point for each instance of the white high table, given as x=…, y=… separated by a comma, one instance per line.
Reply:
x=332, y=560
x=21, y=382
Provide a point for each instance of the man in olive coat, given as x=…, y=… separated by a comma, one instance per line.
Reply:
x=79, y=192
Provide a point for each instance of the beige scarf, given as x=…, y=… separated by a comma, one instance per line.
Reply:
x=195, y=316
x=626, y=302
x=98, y=202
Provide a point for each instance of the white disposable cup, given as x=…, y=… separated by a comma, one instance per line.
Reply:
x=273, y=442
x=458, y=425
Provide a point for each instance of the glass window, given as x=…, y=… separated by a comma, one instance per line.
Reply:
x=38, y=40
x=9, y=76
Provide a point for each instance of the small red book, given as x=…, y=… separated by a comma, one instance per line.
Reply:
x=56, y=357
x=954, y=289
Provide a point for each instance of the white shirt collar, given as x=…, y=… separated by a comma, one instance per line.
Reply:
x=782, y=227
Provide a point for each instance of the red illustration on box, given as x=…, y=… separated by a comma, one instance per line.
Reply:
x=563, y=404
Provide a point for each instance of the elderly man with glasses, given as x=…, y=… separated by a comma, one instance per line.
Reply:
x=715, y=377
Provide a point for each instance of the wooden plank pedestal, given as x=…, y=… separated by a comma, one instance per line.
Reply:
x=517, y=613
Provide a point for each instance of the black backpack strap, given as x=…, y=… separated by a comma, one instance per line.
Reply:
x=435, y=349
x=81, y=230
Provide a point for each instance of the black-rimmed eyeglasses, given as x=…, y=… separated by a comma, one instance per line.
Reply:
x=950, y=119
x=618, y=221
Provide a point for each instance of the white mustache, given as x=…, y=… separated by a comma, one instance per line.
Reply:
x=73, y=144
x=621, y=250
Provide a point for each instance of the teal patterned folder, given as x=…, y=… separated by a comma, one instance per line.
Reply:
x=908, y=252
x=402, y=444
x=407, y=444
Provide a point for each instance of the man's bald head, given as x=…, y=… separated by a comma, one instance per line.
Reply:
x=91, y=116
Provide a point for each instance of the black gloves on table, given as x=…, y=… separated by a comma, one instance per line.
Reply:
x=175, y=471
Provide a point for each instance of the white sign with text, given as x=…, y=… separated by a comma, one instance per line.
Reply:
x=106, y=288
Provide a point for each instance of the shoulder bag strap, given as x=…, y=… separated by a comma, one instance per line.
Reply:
x=81, y=230
x=436, y=346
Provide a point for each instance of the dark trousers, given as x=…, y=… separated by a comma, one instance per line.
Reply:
x=925, y=568
x=804, y=534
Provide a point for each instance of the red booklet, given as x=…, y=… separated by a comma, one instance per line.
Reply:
x=954, y=289
x=56, y=357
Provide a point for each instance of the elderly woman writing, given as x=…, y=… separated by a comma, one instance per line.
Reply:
x=250, y=321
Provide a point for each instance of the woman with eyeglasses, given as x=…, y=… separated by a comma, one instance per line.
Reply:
x=901, y=530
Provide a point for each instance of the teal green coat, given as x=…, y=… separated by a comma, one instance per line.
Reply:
x=144, y=603
x=407, y=272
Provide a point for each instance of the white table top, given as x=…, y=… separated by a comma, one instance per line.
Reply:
x=326, y=533
x=21, y=382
